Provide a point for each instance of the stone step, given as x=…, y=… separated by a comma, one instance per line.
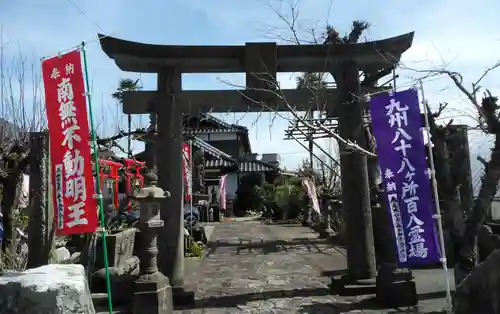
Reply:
x=100, y=301
x=357, y=289
x=116, y=310
x=341, y=287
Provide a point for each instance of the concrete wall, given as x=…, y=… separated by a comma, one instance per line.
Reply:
x=232, y=185
x=495, y=209
x=218, y=137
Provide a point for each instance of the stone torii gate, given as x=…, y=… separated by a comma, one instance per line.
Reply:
x=260, y=62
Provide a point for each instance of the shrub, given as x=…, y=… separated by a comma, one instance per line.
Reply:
x=249, y=195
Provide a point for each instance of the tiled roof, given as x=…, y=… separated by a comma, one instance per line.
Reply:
x=221, y=123
x=219, y=163
x=220, y=126
x=242, y=131
x=222, y=159
x=244, y=166
x=256, y=166
x=210, y=149
x=209, y=130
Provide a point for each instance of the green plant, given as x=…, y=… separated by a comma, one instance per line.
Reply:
x=20, y=219
x=250, y=194
x=116, y=225
x=194, y=249
x=15, y=259
x=284, y=199
x=9, y=261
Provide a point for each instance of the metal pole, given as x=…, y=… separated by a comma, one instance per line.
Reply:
x=311, y=142
x=437, y=216
x=98, y=179
x=191, y=183
x=304, y=146
x=315, y=144
x=129, y=139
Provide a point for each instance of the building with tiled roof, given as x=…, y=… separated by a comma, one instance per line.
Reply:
x=229, y=140
x=227, y=151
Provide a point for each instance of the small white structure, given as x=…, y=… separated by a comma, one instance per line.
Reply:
x=23, y=194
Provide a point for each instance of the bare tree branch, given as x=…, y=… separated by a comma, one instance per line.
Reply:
x=279, y=96
x=21, y=111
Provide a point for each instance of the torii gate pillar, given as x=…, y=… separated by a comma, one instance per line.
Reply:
x=171, y=236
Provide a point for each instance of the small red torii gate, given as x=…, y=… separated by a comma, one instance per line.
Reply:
x=109, y=170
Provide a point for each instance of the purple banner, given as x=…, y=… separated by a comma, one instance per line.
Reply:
x=403, y=163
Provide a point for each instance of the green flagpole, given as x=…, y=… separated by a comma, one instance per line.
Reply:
x=98, y=179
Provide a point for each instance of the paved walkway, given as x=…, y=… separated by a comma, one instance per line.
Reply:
x=258, y=268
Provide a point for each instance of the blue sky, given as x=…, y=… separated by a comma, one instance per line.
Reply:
x=461, y=35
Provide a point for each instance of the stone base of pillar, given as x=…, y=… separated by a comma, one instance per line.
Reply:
x=345, y=286
x=182, y=297
x=326, y=233
x=395, y=287
x=153, y=295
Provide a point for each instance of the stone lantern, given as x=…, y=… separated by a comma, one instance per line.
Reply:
x=326, y=211
x=152, y=290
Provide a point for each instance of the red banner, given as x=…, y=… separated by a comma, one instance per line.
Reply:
x=187, y=171
x=74, y=205
x=222, y=191
x=311, y=192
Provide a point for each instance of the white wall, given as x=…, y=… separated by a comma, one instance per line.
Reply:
x=23, y=193
x=218, y=137
x=232, y=185
x=495, y=209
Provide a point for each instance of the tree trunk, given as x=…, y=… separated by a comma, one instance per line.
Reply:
x=15, y=163
x=453, y=221
x=478, y=214
x=458, y=149
x=8, y=200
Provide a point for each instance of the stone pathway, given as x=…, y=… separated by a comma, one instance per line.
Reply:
x=258, y=268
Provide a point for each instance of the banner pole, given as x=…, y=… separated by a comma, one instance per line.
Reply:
x=191, y=183
x=437, y=216
x=98, y=179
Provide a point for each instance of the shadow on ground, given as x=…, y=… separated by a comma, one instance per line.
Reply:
x=337, y=308
x=366, y=304
x=316, y=307
x=268, y=247
x=242, y=299
x=294, y=222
